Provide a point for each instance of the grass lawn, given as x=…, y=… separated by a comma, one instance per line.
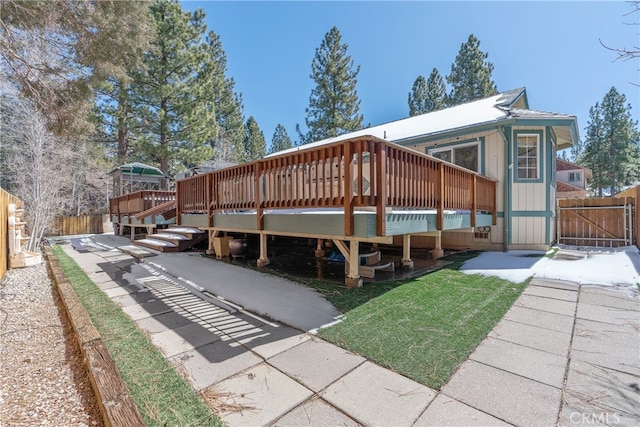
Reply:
x=422, y=328
x=163, y=397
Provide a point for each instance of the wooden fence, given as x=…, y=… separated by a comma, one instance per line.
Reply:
x=635, y=193
x=601, y=222
x=84, y=224
x=5, y=199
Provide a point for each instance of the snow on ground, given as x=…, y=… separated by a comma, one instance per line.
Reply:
x=607, y=267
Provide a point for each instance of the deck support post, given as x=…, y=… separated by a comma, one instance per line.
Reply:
x=437, y=251
x=263, y=261
x=407, y=262
x=353, y=279
x=319, y=249
x=352, y=262
x=213, y=234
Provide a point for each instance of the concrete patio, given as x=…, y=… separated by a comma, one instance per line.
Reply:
x=564, y=354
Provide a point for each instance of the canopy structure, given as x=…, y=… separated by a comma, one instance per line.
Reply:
x=136, y=176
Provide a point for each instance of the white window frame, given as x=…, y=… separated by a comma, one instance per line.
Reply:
x=537, y=137
x=453, y=147
x=577, y=175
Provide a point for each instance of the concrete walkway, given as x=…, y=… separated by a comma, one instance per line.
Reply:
x=564, y=354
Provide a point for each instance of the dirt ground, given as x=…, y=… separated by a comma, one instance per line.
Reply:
x=43, y=380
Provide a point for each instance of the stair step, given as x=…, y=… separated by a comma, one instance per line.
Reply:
x=171, y=237
x=369, y=271
x=370, y=259
x=158, y=245
x=190, y=232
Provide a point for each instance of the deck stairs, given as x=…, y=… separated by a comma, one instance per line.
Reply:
x=372, y=262
x=172, y=239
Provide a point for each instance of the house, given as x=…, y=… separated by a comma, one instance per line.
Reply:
x=572, y=180
x=499, y=137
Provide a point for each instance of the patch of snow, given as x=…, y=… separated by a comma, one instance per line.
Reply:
x=605, y=267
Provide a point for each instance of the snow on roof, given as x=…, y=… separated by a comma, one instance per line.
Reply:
x=472, y=113
x=537, y=114
x=475, y=113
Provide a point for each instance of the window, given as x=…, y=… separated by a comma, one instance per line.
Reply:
x=527, y=155
x=466, y=155
x=575, y=177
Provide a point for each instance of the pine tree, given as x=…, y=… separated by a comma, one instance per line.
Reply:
x=418, y=97
x=255, y=145
x=333, y=105
x=57, y=52
x=280, y=140
x=612, y=144
x=228, y=104
x=176, y=115
x=470, y=76
x=436, y=92
x=427, y=95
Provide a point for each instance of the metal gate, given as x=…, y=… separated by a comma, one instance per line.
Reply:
x=605, y=222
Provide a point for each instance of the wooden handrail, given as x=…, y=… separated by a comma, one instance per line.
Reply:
x=139, y=201
x=156, y=210
x=355, y=173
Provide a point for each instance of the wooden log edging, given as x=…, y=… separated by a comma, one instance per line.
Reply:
x=114, y=399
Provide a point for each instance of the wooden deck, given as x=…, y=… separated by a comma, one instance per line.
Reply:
x=359, y=190
x=353, y=178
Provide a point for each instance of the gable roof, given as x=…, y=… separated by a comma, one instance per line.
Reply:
x=563, y=165
x=565, y=187
x=510, y=107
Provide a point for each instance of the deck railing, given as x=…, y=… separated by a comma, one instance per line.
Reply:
x=356, y=173
x=139, y=201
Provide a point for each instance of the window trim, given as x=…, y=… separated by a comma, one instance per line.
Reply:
x=430, y=150
x=577, y=174
x=540, y=156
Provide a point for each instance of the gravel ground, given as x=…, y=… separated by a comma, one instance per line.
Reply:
x=42, y=377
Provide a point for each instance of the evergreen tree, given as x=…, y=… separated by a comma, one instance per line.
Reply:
x=612, y=145
x=436, y=92
x=333, y=105
x=176, y=116
x=58, y=51
x=427, y=95
x=114, y=118
x=418, y=97
x=470, y=76
x=255, y=145
x=280, y=140
x=228, y=104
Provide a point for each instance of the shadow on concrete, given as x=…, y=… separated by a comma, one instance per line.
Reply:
x=169, y=305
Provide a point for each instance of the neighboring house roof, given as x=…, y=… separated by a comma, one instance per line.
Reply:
x=564, y=187
x=507, y=108
x=563, y=165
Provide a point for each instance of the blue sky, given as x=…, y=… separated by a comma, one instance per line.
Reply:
x=551, y=48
